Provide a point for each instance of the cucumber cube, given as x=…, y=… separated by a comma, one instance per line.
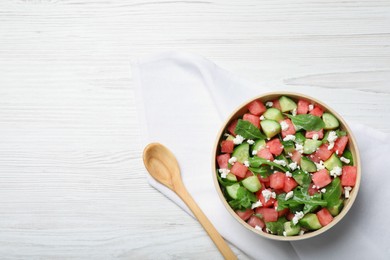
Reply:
x=252, y=183
x=330, y=121
x=270, y=127
x=332, y=162
x=286, y=104
x=232, y=190
x=310, y=221
x=273, y=114
x=310, y=146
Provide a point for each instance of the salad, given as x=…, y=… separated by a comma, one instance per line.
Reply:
x=284, y=166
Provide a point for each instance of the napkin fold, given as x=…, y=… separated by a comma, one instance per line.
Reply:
x=183, y=100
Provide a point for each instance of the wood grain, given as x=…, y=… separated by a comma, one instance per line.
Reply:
x=72, y=184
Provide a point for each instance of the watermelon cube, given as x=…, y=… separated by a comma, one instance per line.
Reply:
x=296, y=157
x=255, y=120
x=248, y=174
x=256, y=107
x=317, y=111
x=268, y=203
x=276, y=104
x=232, y=127
x=246, y=214
x=269, y=214
x=340, y=144
x=275, y=146
x=348, y=176
x=321, y=178
x=223, y=160
x=227, y=146
x=320, y=133
x=323, y=153
x=303, y=107
x=324, y=217
x=266, y=154
x=256, y=221
x=276, y=180
x=312, y=190
x=239, y=169
x=289, y=184
x=290, y=130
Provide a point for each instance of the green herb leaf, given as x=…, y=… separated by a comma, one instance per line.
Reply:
x=333, y=192
x=276, y=227
x=307, y=122
x=248, y=130
x=257, y=162
x=264, y=171
x=224, y=182
x=244, y=199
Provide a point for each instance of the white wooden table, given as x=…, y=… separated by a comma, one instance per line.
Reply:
x=72, y=183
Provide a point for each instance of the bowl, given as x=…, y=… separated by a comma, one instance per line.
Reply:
x=352, y=146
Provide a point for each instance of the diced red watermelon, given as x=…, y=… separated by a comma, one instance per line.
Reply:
x=289, y=184
x=256, y=107
x=232, y=127
x=223, y=160
x=321, y=178
x=256, y=221
x=276, y=180
x=296, y=157
x=263, y=179
x=290, y=216
x=269, y=203
x=324, y=217
x=244, y=215
x=323, y=153
x=317, y=111
x=281, y=212
x=239, y=169
x=275, y=146
x=303, y=107
x=314, y=158
x=312, y=190
x=340, y=144
x=227, y=146
x=278, y=191
x=265, y=153
x=320, y=133
x=269, y=214
x=255, y=120
x=348, y=176
x=290, y=130
x=276, y=104
x=248, y=174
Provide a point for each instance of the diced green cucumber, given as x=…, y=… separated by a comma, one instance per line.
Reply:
x=301, y=177
x=232, y=190
x=273, y=114
x=310, y=221
x=286, y=104
x=230, y=138
x=330, y=121
x=231, y=177
x=347, y=154
x=332, y=162
x=300, y=138
x=310, y=146
x=307, y=165
x=241, y=152
x=290, y=229
x=336, y=209
x=252, y=183
x=258, y=145
x=276, y=227
x=289, y=146
x=270, y=127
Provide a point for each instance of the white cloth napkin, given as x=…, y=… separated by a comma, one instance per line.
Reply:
x=183, y=100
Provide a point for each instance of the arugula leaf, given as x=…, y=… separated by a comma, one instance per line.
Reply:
x=276, y=227
x=244, y=199
x=264, y=171
x=307, y=122
x=333, y=192
x=312, y=207
x=248, y=130
x=257, y=161
x=301, y=197
x=224, y=182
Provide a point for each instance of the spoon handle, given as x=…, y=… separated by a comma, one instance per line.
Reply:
x=205, y=222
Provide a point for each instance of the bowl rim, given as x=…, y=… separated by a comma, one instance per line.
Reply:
x=352, y=145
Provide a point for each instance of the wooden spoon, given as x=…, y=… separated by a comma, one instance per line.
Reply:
x=163, y=166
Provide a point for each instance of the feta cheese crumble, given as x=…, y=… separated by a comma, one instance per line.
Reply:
x=257, y=204
x=332, y=136
x=269, y=104
x=345, y=160
x=315, y=137
x=246, y=163
x=284, y=233
x=289, y=195
x=336, y=171
x=320, y=165
x=232, y=160
x=323, y=190
x=301, y=232
x=297, y=217
x=268, y=195
x=299, y=148
x=288, y=174
x=294, y=112
x=346, y=191
x=254, y=152
x=224, y=172
x=258, y=228
x=289, y=138
x=262, y=118
x=250, y=141
x=293, y=166
x=238, y=139
x=311, y=107
x=280, y=162
x=284, y=125
x=330, y=146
